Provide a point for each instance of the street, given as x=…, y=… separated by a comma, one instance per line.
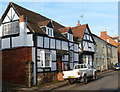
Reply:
x=108, y=81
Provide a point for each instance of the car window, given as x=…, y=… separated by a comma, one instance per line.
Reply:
x=82, y=66
x=85, y=66
x=77, y=67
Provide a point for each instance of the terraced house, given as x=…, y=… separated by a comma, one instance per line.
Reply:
x=112, y=49
x=27, y=36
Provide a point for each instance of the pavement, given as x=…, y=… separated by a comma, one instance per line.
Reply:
x=47, y=86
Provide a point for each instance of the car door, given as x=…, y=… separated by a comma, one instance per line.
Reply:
x=90, y=70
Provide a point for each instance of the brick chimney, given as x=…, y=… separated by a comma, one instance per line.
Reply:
x=78, y=24
x=23, y=32
x=22, y=18
x=103, y=33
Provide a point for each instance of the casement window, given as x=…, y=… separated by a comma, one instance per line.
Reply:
x=49, y=31
x=45, y=59
x=71, y=56
x=70, y=37
x=10, y=28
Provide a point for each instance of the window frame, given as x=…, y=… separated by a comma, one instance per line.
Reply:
x=43, y=58
x=49, y=31
x=10, y=28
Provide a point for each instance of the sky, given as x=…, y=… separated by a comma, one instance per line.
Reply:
x=98, y=15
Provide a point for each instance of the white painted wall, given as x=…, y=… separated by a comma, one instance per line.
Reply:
x=65, y=58
x=34, y=70
x=71, y=46
x=64, y=45
x=0, y=30
x=46, y=42
x=52, y=43
x=76, y=57
x=11, y=14
x=53, y=68
x=58, y=44
x=76, y=47
x=5, y=43
x=53, y=55
x=30, y=40
x=39, y=41
x=23, y=33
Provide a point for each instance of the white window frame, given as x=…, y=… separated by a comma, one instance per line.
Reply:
x=49, y=31
x=70, y=37
x=43, y=58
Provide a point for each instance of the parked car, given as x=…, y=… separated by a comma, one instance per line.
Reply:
x=80, y=72
x=116, y=66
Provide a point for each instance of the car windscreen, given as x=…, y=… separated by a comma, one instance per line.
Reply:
x=117, y=64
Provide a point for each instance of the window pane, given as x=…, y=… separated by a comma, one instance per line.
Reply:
x=10, y=28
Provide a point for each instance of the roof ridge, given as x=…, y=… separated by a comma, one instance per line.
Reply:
x=27, y=9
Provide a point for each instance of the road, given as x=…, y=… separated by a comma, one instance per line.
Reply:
x=107, y=81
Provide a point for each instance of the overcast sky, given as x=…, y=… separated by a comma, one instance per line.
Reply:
x=99, y=15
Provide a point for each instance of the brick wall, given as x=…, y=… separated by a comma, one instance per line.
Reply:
x=47, y=77
x=14, y=66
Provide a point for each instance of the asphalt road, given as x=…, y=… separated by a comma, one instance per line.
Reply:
x=108, y=81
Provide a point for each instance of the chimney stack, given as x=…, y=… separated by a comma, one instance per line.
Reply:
x=104, y=32
x=78, y=24
x=23, y=30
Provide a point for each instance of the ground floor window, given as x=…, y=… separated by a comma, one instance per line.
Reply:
x=45, y=58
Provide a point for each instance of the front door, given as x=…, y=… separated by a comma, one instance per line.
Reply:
x=59, y=63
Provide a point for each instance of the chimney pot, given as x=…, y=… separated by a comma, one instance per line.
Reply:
x=104, y=32
x=78, y=24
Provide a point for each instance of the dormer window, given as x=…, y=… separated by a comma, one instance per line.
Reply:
x=49, y=31
x=70, y=37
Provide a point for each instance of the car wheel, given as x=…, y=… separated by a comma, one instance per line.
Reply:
x=95, y=76
x=85, y=79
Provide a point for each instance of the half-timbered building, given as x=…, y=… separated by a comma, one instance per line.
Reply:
x=85, y=39
x=28, y=36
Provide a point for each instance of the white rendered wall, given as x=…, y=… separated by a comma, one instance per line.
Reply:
x=5, y=43
x=39, y=41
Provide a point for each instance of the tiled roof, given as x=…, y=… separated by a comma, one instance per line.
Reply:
x=35, y=20
x=79, y=31
x=111, y=41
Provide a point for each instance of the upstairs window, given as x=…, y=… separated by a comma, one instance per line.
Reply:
x=45, y=59
x=70, y=37
x=10, y=28
x=49, y=31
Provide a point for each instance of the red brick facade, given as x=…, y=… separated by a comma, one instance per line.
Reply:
x=14, y=64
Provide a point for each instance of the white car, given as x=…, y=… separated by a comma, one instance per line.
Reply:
x=80, y=72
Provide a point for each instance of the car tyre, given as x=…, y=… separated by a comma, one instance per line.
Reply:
x=71, y=81
x=95, y=76
x=85, y=79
